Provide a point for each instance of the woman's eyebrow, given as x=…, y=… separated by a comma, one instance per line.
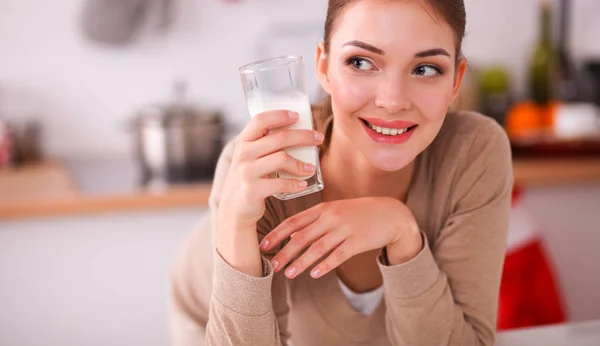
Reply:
x=379, y=51
x=432, y=52
x=365, y=46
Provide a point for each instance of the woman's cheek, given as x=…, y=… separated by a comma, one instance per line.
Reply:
x=432, y=100
x=350, y=93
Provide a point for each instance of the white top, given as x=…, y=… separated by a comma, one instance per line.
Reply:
x=365, y=302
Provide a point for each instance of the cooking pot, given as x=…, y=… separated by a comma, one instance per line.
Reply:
x=177, y=142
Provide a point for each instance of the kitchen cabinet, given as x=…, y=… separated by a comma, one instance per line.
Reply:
x=90, y=279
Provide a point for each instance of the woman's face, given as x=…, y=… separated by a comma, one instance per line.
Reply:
x=391, y=74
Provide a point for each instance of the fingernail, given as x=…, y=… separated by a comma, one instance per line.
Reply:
x=275, y=264
x=265, y=244
x=308, y=167
x=293, y=115
x=319, y=136
x=290, y=272
x=302, y=183
x=315, y=273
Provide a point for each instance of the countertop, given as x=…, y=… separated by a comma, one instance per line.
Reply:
x=73, y=187
x=571, y=334
x=535, y=172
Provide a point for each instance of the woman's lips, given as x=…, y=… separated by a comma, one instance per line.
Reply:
x=395, y=124
x=387, y=127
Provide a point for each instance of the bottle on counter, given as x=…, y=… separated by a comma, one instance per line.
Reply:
x=568, y=88
x=542, y=61
x=528, y=122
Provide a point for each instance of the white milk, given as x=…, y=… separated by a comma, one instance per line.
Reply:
x=300, y=105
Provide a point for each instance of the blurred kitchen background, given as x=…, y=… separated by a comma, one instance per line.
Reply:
x=112, y=114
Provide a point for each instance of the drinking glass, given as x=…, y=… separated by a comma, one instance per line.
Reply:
x=280, y=84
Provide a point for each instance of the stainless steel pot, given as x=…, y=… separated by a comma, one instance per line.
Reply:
x=177, y=143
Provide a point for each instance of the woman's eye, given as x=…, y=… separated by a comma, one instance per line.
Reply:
x=360, y=64
x=427, y=71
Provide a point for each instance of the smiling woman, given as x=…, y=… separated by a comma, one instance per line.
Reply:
x=405, y=244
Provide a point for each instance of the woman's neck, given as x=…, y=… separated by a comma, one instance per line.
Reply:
x=347, y=174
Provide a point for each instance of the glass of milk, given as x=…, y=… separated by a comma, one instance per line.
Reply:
x=280, y=84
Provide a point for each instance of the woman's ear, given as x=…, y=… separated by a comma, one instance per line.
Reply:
x=322, y=67
x=461, y=69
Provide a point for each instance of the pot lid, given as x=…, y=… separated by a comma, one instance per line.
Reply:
x=178, y=112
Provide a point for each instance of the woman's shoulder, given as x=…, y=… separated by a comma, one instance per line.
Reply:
x=469, y=148
x=221, y=169
x=468, y=162
x=469, y=125
x=469, y=135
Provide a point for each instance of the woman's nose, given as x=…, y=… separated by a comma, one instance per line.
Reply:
x=393, y=95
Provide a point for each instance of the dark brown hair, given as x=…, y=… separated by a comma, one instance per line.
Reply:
x=451, y=11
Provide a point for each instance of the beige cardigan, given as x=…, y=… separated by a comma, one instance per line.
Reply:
x=446, y=295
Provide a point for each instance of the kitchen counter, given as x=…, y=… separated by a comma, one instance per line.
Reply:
x=571, y=334
x=84, y=186
x=91, y=186
x=531, y=172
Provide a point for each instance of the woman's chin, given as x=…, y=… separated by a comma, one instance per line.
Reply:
x=390, y=162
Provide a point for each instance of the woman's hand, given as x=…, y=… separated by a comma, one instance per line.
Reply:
x=343, y=229
x=257, y=155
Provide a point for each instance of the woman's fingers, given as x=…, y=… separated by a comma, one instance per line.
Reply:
x=281, y=161
x=291, y=225
x=315, y=252
x=341, y=254
x=266, y=187
x=280, y=139
x=261, y=123
x=259, y=171
x=300, y=241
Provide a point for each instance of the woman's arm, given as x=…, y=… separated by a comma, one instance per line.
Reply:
x=218, y=304
x=448, y=293
x=246, y=309
x=242, y=308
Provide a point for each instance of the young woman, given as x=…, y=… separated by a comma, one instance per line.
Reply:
x=405, y=244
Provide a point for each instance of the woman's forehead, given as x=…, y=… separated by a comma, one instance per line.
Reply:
x=393, y=24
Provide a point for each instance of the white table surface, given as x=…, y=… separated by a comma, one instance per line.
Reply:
x=568, y=334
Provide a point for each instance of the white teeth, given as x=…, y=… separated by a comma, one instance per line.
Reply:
x=387, y=131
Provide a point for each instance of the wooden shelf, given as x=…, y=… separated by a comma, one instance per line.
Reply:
x=48, y=180
x=192, y=195
x=47, y=189
x=556, y=171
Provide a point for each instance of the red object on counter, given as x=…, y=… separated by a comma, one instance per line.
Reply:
x=5, y=145
x=529, y=293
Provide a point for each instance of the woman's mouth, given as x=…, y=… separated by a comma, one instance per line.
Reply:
x=388, y=132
